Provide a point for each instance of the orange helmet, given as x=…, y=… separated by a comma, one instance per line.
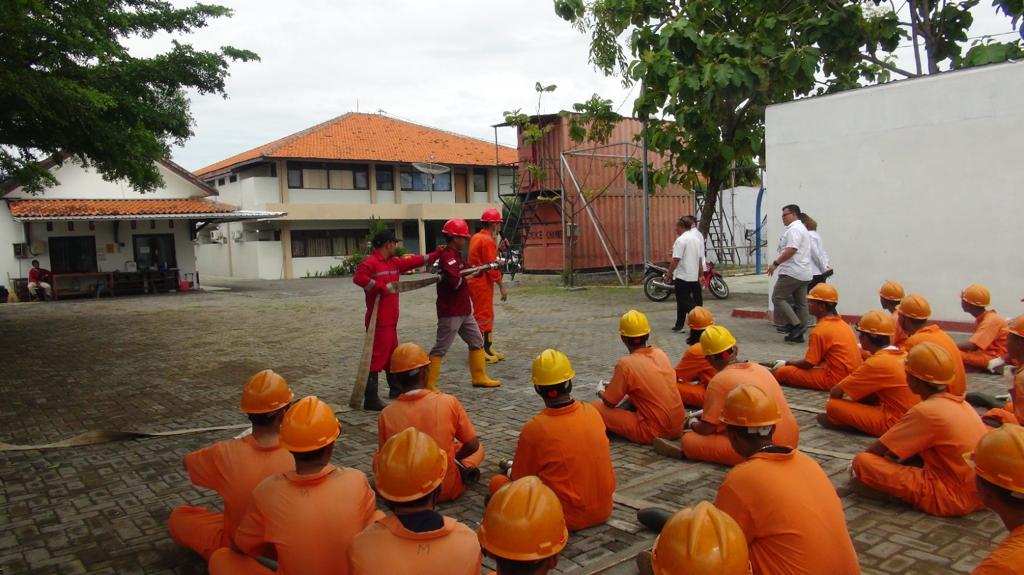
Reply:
x=877, y=323
x=825, y=293
x=930, y=363
x=265, y=392
x=999, y=457
x=456, y=227
x=892, y=291
x=701, y=539
x=408, y=357
x=524, y=522
x=1016, y=326
x=700, y=318
x=491, y=216
x=749, y=406
x=976, y=294
x=915, y=306
x=309, y=425
x=409, y=466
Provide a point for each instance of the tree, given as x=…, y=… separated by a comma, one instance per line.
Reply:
x=708, y=69
x=69, y=88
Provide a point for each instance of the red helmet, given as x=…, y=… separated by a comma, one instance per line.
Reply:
x=491, y=216
x=456, y=228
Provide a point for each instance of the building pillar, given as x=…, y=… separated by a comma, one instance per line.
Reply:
x=286, y=249
x=397, y=178
x=373, y=183
x=422, y=231
x=470, y=190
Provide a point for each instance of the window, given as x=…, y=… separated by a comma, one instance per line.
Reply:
x=74, y=254
x=323, y=243
x=314, y=178
x=220, y=182
x=154, y=251
x=479, y=180
x=328, y=176
x=385, y=177
x=294, y=177
x=415, y=181
x=232, y=178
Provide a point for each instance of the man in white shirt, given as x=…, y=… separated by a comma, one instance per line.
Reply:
x=821, y=266
x=685, y=269
x=793, y=263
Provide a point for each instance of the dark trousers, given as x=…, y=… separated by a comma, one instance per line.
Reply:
x=688, y=296
x=819, y=279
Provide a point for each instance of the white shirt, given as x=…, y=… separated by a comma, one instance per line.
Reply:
x=798, y=266
x=819, y=257
x=689, y=250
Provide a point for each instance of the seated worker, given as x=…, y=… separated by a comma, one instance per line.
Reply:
x=781, y=499
x=414, y=539
x=565, y=445
x=39, y=277
x=706, y=439
x=940, y=430
x=914, y=312
x=693, y=372
x=877, y=390
x=698, y=540
x=523, y=528
x=889, y=296
x=832, y=353
x=998, y=462
x=987, y=346
x=306, y=518
x=439, y=415
x=233, y=468
x=1012, y=412
x=647, y=377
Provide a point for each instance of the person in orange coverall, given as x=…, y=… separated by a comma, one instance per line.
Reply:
x=439, y=415
x=877, y=390
x=484, y=250
x=647, y=377
x=523, y=528
x=698, y=540
x=414, y=539
x=306, y=518
x=693, y=372
x=565, y=445
x=998, y=462
x=939, y=430
x=780, y=497
x=914, y=313
x=832, y=353
x=233, y=468
x=1012, y=412
x=889, y=296
x=987, y=346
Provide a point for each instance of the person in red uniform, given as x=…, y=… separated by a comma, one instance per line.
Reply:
x=414, y=539
x=39, y=277
x=998, y=462
x=233, y=468
x=484, y=250
x=373, y=274
x=455, y=309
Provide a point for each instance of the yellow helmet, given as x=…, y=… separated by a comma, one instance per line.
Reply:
x=634, y=324
x=700, y=318
x=523, y=522
x=976, y=294
x=409, y=466
x=551, y=367
x=701, y=539
x=999, y=457
x=892, y=291
x=716, y=339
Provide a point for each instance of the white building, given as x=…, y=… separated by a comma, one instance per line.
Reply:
x=91, y=232
x=332, y=178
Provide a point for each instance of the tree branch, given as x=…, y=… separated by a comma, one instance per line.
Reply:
x=887, y=66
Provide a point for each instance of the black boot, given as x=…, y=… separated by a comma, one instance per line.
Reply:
x=653, y=518
x=393, y=391
x=370, y=400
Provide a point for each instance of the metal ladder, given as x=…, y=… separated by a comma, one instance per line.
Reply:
x=720, y=236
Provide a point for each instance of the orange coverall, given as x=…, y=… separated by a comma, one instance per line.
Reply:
x=881, y=376
x=790, y=514
x=307, y=521
x=647, y=377
x=1008, y=557
x=1013, y=411
x=833, y=351
x=483, y=250
x=716, y=448
x=693, y=367
x=567, y=448
x=990, y=337
x=940, y=429
x=897, y=338
x=232, y=468
x=935, y=335
x=444, y=419
x=388, y=548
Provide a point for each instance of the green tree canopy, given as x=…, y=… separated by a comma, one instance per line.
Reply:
x=70, y=88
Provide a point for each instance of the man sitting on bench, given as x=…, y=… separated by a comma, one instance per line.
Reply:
x=39, y=277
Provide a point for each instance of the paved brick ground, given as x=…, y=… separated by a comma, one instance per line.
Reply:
x=177, y=361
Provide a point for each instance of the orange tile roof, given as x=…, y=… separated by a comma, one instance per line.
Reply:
x=375, y=138
x=107, y=208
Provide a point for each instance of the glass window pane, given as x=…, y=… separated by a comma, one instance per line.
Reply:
x=316, y=179
x=341, y=179
x=479, y=182
x=294, y=178
x=406, y=180
x=385, y=178
x=361, y=180
x=442, y=182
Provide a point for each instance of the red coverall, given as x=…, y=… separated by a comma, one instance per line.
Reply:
x=373, y=275
x=483, y=250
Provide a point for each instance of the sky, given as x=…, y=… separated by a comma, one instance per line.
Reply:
x=451, y=64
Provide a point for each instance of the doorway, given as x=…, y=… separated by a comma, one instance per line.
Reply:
x=154, y=251
x=72, y=254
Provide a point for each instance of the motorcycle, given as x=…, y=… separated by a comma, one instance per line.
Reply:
x=657, y=290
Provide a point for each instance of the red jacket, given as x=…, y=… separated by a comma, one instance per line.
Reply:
x=373, y=275
x=36, y=275
x=452, y=290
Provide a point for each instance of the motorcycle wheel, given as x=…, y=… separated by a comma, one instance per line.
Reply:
x=718, y=287
x=653, y=292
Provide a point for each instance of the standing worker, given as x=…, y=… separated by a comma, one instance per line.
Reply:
x=234, y=467
x=685, y=270
x=523, y=528
x=998, y=462
x=693, y=372
x=832, y=353
x=414, y=539
x=439, y=415
x=821, y=265
x=484, y=250
x=455, y=309
x=914, y=312
x=373, y=274
x=793, y=262
x=987, y=346
x=889, y=296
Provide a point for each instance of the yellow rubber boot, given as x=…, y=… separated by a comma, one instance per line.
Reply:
x=433, y=372
x=478, y=369
x=490, y=347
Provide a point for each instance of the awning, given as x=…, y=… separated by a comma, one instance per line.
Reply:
x=136, y=209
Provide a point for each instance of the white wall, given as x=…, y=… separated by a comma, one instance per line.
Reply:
x=78, y=183
x=250, y=193
x=248, y=260
x=311, y=196
x=918, y=181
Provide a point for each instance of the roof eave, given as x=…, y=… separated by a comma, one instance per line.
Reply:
x=209, y=216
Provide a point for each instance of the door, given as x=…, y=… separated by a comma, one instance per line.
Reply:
x=154, y=251
x=72, y=254
x=461, y=197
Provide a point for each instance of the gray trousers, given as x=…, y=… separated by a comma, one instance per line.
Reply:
x=789, y=298
x=464, y=325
